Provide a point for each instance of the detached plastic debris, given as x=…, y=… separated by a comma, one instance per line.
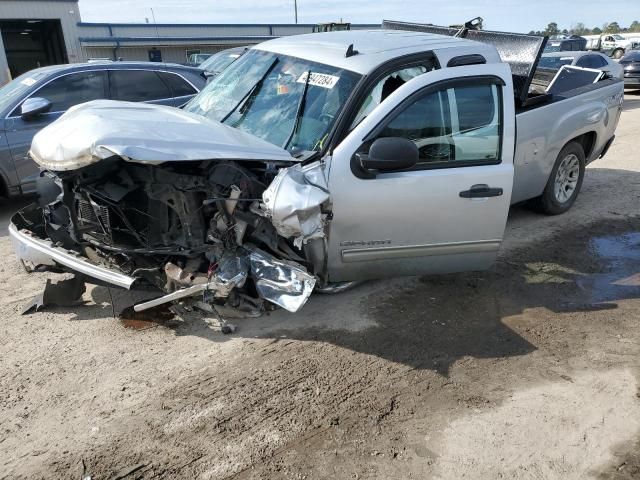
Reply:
x=64, y=293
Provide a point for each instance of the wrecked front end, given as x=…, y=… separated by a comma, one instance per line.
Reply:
x=225, y=236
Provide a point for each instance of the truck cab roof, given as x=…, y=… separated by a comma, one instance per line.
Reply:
x=375, y=47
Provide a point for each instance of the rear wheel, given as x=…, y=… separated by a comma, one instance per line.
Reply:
x=564, y=182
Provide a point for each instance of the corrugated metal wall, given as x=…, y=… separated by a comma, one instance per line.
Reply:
x=133, y=41
x=169, y=54
x=186, y=30
x=66, y=11
x=4, y=66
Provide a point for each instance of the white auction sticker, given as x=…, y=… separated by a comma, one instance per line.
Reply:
x=28, y=82
x=319, y=79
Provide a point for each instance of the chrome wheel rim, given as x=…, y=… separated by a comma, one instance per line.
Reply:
x=567, y=177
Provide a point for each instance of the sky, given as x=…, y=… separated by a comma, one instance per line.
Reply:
x=507, y=15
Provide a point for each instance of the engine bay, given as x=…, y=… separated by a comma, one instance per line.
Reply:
x=226, y=235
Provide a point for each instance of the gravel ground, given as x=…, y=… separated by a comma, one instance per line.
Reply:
x=530, y=370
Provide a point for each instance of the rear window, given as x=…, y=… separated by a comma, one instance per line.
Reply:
x=555, y=62
x=476, y=107
x=137, y=86
x=179, y=86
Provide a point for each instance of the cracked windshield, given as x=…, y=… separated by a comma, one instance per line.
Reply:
x=284, y=100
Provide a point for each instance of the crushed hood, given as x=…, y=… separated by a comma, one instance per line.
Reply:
x=142, y=133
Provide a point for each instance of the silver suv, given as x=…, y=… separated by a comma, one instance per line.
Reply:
x=37, y=98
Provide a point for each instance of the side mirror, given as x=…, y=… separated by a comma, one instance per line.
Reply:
x=32, y=107
x=391, y=153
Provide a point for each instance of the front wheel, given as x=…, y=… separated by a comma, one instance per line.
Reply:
x=564, y=182
x=617, y=54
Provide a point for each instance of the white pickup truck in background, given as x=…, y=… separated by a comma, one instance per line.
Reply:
x=312, y=160
x=614, y=45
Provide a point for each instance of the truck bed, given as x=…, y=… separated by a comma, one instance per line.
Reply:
x=589, y=113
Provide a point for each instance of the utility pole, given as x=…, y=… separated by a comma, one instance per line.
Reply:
x=153, y=15
x=295, y=8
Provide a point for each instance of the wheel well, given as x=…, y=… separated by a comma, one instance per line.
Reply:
x=588, y=142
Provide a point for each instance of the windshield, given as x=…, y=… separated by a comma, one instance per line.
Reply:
x=219, y=61
x=287, y=101
x=618, y=37
x=17, y=88
x=555, y=62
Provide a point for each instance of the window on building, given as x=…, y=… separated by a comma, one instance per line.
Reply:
x=155, y=55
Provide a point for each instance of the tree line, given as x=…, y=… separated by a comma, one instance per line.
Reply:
x=580, y=29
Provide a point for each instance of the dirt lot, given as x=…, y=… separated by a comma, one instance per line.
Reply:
x=530, y=370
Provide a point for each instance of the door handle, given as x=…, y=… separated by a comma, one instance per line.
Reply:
x=481, y=191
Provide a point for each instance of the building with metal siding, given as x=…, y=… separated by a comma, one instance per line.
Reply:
x=175, y=41
x=44, y=32
x=59, y=16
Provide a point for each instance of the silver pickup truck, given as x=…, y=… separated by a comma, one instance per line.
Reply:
x=311, y=161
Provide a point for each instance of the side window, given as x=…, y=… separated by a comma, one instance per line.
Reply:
x=599, y=61
x=137, y=86
x=586, y=62
x=69, y=90
x=453, y=127
x=583, y=62
x=385, y=87
x=179, y=86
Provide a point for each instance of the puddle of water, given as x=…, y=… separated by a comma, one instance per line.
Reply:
x=618, y=249
x=621, y=255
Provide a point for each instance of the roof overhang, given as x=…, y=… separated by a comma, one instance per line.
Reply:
x=113, y=42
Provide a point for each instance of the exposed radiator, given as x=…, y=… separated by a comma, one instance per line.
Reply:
x=90, y=214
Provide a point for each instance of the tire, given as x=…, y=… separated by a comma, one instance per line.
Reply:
x=564, y=182
x=618, y=54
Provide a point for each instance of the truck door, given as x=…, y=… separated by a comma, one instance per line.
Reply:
x=608, y=44
x=447, y=213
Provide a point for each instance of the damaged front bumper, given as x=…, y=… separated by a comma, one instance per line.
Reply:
x=287, y=286
x=36, y=254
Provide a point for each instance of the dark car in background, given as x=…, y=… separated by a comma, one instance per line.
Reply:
x=37, y=98
x=630, y=63
x=574, y=43
x=221, y=60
